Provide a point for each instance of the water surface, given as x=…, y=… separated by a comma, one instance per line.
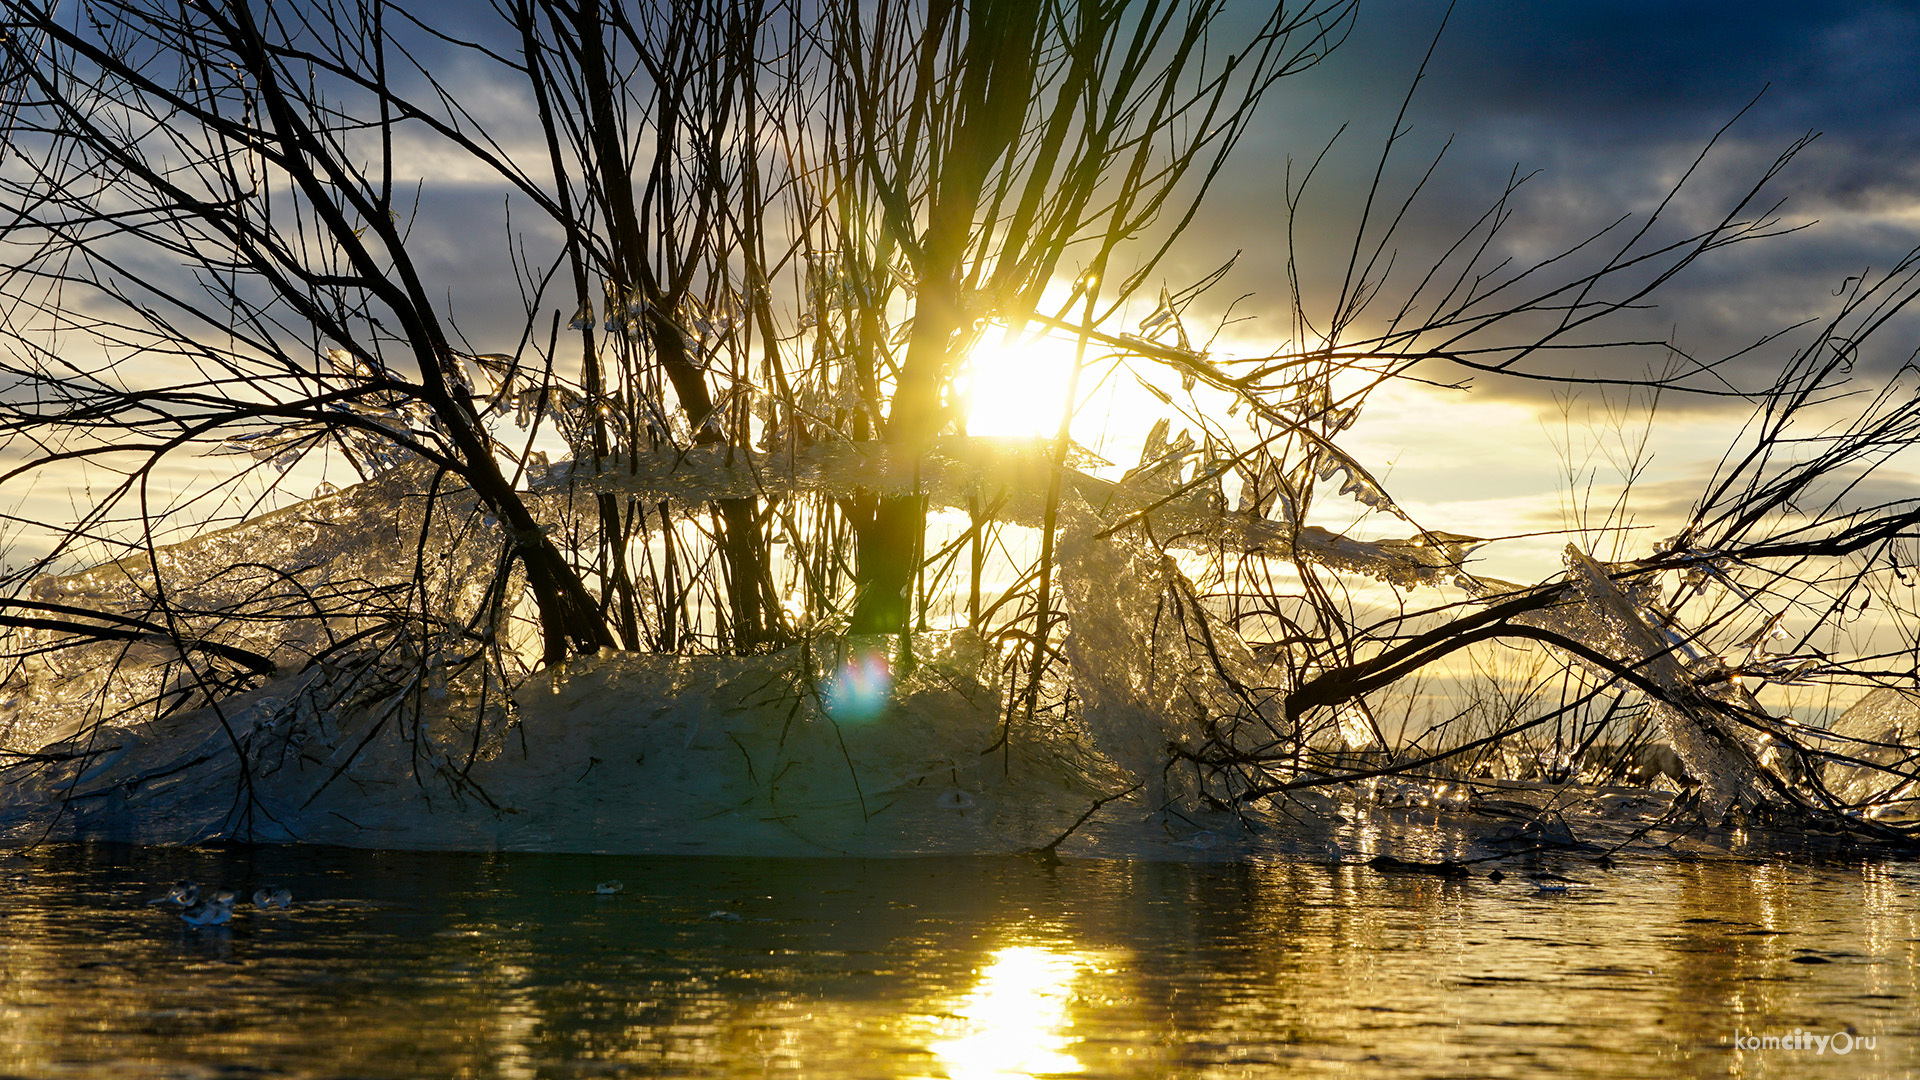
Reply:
x=416, y=965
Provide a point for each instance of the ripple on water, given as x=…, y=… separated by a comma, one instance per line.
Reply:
x=498, y=965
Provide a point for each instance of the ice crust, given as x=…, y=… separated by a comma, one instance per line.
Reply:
x=619, y=752
x=353, y=745
x=289, y=586
x=1011, y=475
x=1875, y=764
x=1607, y=619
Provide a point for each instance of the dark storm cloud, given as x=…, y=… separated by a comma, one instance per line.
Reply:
x=1635, y=62
x=1607, y=103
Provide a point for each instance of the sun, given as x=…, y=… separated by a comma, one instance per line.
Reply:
x=1015, y=384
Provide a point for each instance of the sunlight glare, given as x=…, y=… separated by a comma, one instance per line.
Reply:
x=1016, y=385
x=1014, y=1022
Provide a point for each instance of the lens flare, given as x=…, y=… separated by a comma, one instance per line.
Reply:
x=861, y=687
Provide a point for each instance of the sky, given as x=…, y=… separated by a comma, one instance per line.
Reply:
x=1606, y=104
x=1603, y=103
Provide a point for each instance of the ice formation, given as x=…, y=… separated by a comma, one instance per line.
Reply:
x=305, y=717
x=1874, y=756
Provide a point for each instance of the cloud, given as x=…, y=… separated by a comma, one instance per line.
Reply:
x=1608, y=104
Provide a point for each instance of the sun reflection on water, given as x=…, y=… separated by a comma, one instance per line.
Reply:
x=444, y=965
x=1014, y=1022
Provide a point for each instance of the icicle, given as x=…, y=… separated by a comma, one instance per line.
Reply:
x=499, y=371
x=1610, y=621
x=1356, y=727
x=260, y=445
x=421, y=420
x=1156, y=445
x=707, y=328
x=1162, y=315
x=1165, y=316
x=583, y=318
x=624, y=310
x=350, y=364
x=1752, y=649
x=826, y=281
x=570, y=415
x=1181, y=446
x=1355, y=482
x=1269, y=495
x=616, y=310
x=1162, y=464
x=454, y=370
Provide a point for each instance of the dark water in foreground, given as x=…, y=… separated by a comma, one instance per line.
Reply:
x=414, y=965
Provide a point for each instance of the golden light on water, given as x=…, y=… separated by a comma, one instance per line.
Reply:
x=1014, y=1022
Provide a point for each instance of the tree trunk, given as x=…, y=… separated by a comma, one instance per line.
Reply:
x=989, y=100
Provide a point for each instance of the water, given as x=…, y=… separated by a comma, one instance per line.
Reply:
x=414, y=965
